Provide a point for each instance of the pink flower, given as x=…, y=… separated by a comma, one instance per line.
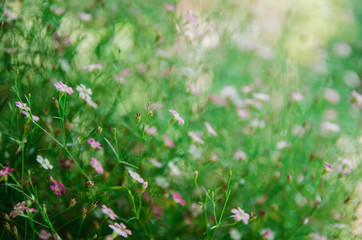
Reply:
x=195, y=137
x=155, y=162
x=240, y=155
x=61, y=87
x=240, y=215
x=327, y=127
x=151, y=130
x=296, y=96
x=66, y=163
x=210, y=129
x=6, y=171
x=193, y=89
x=261, y=97
x=94, y=144
x=97, y=165
x=219, y=101
x=157, y=210
x=243, y=113
x=332, y=96
x=316, y=236
x=18, y=209
x=170, y=7
x=178, y=199
x=328, y=167
x=22, y=106
x=136, y=176
x=177, y=117
x=35, y=118
x=121, y=77
x=267, y=234
x=120, y=229
x=168, y=141
x=109, y=212
x=92, y=67
x=58, y=188
x=44, y=234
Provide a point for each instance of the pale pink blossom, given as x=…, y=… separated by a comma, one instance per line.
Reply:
x=193, y=89
x=332, y=96
x=94, y=144
x=136, y=176
x=240, y=155
x=19, y=208
x=210, y=129
x=240, y=215
x=219, y=101
x=35, y=118
x=59, y=11
x=356, y=100
x=177, y=117
x=345, y=166
x=61, y=87
x=316, y=236
x=170, y=7
x=150, y=130
x=296, y=96
x=196, y=137
x=6, y=171
x=282, y=144
x=168, y=141
x=155, y=162
x=330, y=114
x=178, y=199
x=120, y=229
x=267, y=234
x=328, y=167
x=261, y=97
x=229, y=92
x=44, y=234
x=109, y=212
x=97, y=165
x=330, y=127
x=22, y=106
x=242, y=113
x=247, y=88
x=86, y=17
x=121, y=77
x=58, y=188
x=92, y=67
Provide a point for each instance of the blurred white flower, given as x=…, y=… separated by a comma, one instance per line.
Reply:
x=44, y=162
x=351, y=79
x=162, y=182
x=282, y=144
x=342, y=49
x=327, y=127
x=332, y=96
x=86, y=17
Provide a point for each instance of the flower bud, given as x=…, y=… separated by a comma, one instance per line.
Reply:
x=138, y=117
x=89, y=184
x=93, y=206
x=144, y=186
x=196, y=173
x=50, y=179
x=289, y=178
x=72, y=202
x=84, y=212
x=150, y=114
x=55, y=102
x=99, y=130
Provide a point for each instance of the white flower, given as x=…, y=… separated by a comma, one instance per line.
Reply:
x=44, y=162
x=84, y=93
x=162, y=182
x=282, y=144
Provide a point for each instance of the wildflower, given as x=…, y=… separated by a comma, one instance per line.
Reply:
x=97, y=165
x=150, y=130
x=240, y=155
x=356, y=100
x=331, y=96
x=136, y=176
x=178, y=199
x=72, y=202
x=157, y=210
x=298, y=131
x=210, y=129
x=35, y=118
x=109, y=212
x=175, y=171
x=296, y=97
x=176, y=117
x=162, y=182
x=218, y=101
x=195, y=137
x=84, y=92
x=330, y=127
x=195, y=151
x=345, y=166
x=61, y=87
x=328, y=167
x=155, y=162
x=44, y=162
x=282, y=144
x=58, y=188
x=120, y=229
x=170, y=7
x=342, y=49
x=243, y=113
x=94, y=144
x=261, y=97
x=66, y=163
x=44, y=234
x=6, y=171
x=168, y=141
x=138, y=117
x=121, y=77
x=18, y=209
x=89, y=184
x=240, y=215
x=229, y=92
x=92, y=67
x=235, y=234
x=351, y=79
x=144, y=186
x=86, y=17
x=22, y=106
x=267, y=234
